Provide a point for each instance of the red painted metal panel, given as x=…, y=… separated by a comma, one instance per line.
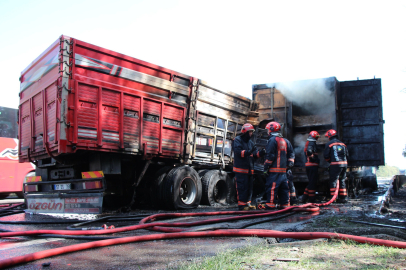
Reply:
x=121, y=121
x=131, y=127
x=115, y=58
x=50, y=95
x=100, y=120
x=87, y=113
x=110, y=116
x=105, y=112
x=171, y=142
x=25, y=126
x=151, y=125
x=38, y=129
x=12, y=172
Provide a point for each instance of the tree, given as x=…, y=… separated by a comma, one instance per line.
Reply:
x=387, y=171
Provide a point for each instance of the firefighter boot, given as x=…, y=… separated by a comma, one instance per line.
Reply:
x=303, y=198
x=251, y=207
x=342, y=200
x=243, y=208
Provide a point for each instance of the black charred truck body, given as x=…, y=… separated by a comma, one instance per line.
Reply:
x=352, y=108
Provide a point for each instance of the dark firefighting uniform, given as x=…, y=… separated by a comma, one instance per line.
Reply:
x=292, y=190
x=244, y=168
x=336, y=153
x=279, y=153
x=312, y=169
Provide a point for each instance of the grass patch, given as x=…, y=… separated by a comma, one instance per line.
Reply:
x=335, y=254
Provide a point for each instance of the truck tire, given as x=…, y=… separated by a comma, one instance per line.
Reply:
x=156, y=186
x=217, y=188
x=202, y=173
x=21, y=194
x=182, y=188
x=369, y=182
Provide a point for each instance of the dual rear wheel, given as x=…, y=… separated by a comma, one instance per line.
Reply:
x=183, y=188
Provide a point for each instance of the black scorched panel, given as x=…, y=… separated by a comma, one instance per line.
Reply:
x=360, y=109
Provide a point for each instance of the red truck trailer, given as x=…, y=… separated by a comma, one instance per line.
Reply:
x=103, y=127
x=12, y=173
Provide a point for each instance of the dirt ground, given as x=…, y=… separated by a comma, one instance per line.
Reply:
x=171, y=253
x=367, y=208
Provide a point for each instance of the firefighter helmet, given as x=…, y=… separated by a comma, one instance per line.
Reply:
x=273, y=126
x=314, y=134
x=330, y=133
x=247, y=127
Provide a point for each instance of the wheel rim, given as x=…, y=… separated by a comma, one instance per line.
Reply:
x=187, y=191
x=220, y=192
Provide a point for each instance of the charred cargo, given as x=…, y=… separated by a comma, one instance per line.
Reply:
x=353, y=108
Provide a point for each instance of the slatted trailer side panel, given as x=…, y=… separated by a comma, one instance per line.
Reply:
x=100, y=100
x=219, y=116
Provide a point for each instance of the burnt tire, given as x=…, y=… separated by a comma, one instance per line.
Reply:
x=182, y=188
x=157, y=186
x=217, y=188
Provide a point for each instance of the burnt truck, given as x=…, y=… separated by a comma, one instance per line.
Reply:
x=107, y=129
x=352, y=108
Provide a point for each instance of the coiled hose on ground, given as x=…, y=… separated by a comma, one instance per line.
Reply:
x=176, y=232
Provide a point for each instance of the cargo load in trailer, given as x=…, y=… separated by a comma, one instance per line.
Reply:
x=352, y=108
x=104, y=128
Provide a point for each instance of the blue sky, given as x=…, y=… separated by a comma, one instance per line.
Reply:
x=230, y=44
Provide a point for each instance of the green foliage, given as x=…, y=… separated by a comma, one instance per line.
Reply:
x=387, y=171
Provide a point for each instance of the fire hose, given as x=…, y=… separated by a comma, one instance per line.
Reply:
x=184, y=233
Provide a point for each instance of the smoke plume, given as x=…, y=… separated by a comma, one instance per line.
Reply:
x=313, y=96
x=299, y=142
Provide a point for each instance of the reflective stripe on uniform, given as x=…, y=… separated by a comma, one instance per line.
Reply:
x=307, y=164
x=338, y=162
x=278, y=170
x=337, y=144
x=239, y=170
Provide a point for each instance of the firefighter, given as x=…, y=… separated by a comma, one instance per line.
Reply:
x=244, y=154
x=292, y=191
x=279, y=156
x=312, y=166
x=336, y=153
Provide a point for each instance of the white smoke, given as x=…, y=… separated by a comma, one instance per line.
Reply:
x=314, y=96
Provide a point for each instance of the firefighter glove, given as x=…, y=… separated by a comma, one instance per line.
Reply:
x=266, y=170
x=289, y=173
x=290, y=164
x=252, y=150
x=262, y=152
